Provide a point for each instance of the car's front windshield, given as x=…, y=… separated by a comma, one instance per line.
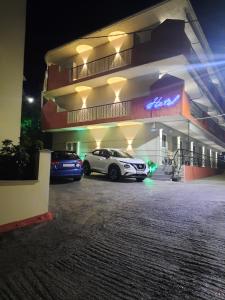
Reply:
x=119, y=153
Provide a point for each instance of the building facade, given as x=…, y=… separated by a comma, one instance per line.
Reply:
x=146, y=84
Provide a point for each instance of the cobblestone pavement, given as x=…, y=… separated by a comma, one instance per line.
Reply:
x=125, y=240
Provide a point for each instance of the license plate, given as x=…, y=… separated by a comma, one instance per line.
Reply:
x=140, y=172
x=68, y=165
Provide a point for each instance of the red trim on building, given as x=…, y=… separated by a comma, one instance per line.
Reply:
x=193, y=172
x=166, y=87
x=30, y=221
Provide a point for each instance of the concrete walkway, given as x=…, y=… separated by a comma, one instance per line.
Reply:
x=218, y=179
x=125, y=240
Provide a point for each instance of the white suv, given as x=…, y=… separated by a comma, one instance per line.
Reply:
x=115, y=163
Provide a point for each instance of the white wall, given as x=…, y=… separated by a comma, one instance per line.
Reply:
x=144, y=142
x=12, y=34
x=132, y=88
x=20, y=200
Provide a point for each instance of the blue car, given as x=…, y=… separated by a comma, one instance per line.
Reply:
x=66, y=164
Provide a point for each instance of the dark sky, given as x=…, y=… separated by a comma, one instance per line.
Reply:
x=51, y=23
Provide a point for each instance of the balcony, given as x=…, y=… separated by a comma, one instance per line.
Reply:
x=105, y=64
x=208, y=86
x=166, y=40
x=114, y=112
x=58, y=77
x=125, y=111
x=97, y=113
x=209, y=124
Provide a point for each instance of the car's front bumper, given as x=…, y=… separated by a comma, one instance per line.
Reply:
x=135, y=175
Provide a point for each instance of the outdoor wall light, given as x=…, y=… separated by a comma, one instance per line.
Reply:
x=116, y=38
x=121, y=124
x=129, y=146
x=83, y=92
x=116, y=84
x=84, y=51
x=83, y=48
x=82, y=88
x=98, y=144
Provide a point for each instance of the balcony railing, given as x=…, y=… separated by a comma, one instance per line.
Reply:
x=113, y=110
x=101, y=65
x=208, y=87
x=212, y=125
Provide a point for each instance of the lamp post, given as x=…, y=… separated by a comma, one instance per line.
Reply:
x=30, y=99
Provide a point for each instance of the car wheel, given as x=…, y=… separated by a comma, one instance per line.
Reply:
x=77, y=178
x=87, y=169
x=139, y=179
x=114, y=173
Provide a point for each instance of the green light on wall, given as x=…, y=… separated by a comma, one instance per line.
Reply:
x=82, y=156
x=26, y=123
x=78, y=148
x=152, y=167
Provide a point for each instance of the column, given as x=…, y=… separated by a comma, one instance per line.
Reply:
x=203, y=156
x=210, y=158
x=192, y=154
x=178, y=142
x=216, y=162
x=160, y=147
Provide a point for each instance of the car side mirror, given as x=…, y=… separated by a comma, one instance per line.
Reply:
x=107, y=156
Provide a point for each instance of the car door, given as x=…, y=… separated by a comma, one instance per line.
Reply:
x=94, y=159
x=102, y=160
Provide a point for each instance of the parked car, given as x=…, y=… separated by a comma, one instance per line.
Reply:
x=66, y=164
x=115, y=163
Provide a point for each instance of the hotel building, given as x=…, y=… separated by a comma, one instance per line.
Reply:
x=147, y=84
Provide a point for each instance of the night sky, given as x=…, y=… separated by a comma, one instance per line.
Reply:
x=50, y=24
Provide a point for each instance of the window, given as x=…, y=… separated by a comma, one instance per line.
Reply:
x=104, y=153
x=71, y=146
x=117, y=153
x=64, y=155
x=164, y=141
x=96, y=152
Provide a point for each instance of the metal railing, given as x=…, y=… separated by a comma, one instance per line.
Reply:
x=190, y=158
x=208, y=87
x=107, y=111
x=104, y=64
x=212, y=125
x=193, y=158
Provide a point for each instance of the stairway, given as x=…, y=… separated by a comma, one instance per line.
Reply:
x=179, y=174
x=161, y=175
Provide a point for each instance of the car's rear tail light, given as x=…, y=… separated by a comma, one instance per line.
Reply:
x=55, y=163
x=79, y=163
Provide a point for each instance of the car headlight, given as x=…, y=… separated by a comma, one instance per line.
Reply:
x=126, y=166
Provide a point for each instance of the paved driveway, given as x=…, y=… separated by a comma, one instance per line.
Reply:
x=126, y=240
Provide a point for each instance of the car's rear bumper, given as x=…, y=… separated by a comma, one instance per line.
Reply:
x=67, y=173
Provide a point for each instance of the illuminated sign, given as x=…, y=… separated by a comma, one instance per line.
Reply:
x=160, y=102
